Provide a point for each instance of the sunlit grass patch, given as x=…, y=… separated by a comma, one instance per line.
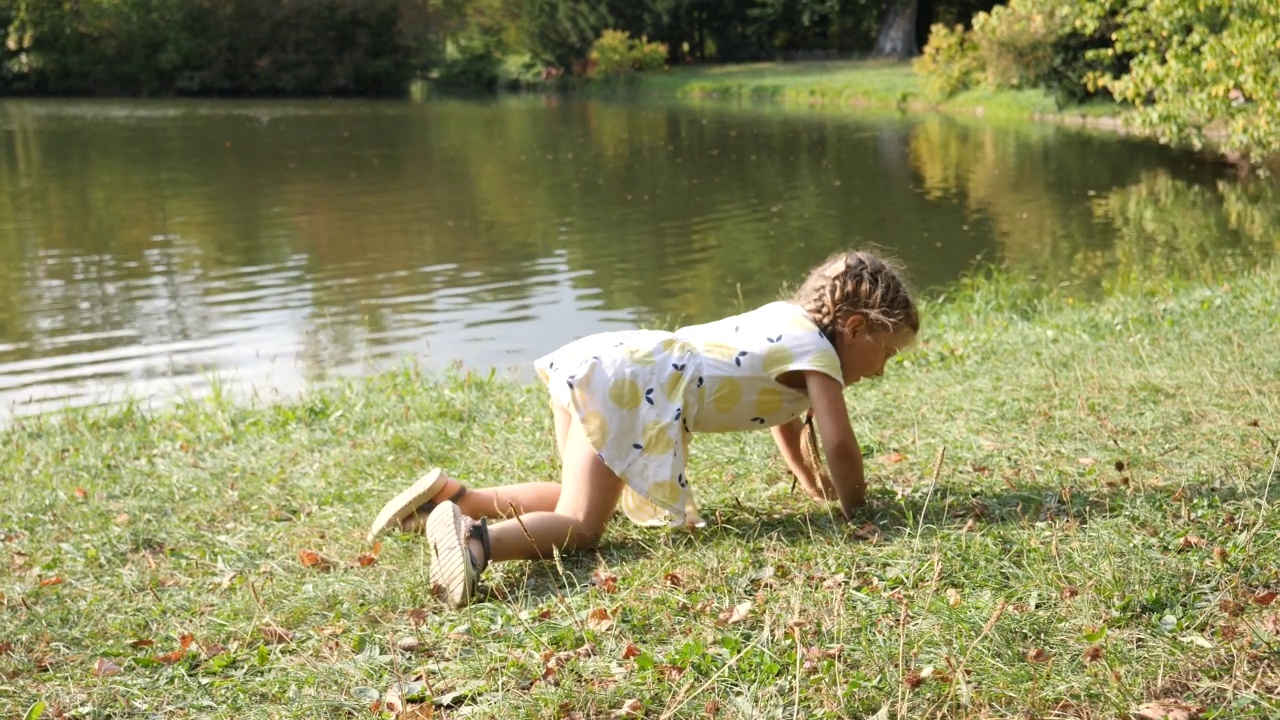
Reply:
x=1072, y=514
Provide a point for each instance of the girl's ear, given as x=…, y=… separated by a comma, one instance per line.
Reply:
x=856, y=324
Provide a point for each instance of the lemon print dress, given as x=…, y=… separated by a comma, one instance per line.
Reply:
x=640, y=394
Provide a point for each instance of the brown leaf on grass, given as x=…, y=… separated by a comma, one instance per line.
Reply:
x=18, y=559
x=913, y=680
x=1271, y=624
x=890, y=458
x=6, y=648
x=1038, y=655
x=181, y=653
x=314, y=560
x=214, y=650
x=1220, y=554
x=604, y=581
x=81, y=493
x=50, y=581
x=834, y=581
x=953, y=597
x=417, y=617
x=275, y=635
x=712, y=708
x=1191, y=541
x=868, y=532
x=672, y=580
x=631, y=651
x=106, y=668
x=599, y=619
x=630, y=708
x=1093, y=654
x=1069, y=592
x=969, y=526
x=371, y=557
x=1166, y=710
x=735, y=614
x=141, y=643
x=1086, y=461
x=1264, y=597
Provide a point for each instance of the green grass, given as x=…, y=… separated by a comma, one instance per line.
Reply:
x=864, y=83
x=1095, y=537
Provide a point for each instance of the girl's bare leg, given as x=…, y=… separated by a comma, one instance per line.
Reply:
x=511, y=500
x=588, y=493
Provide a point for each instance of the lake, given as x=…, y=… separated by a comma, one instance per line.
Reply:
x=167, y=249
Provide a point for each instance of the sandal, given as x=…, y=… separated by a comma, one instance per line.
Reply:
x=455, y=572
x=417, y=499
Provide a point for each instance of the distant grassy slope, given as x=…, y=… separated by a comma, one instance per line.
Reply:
x=849, y=82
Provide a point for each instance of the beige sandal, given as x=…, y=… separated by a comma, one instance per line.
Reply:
x=455, y=573
x=416, y=500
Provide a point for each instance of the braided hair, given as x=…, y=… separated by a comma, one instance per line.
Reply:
x=844, y=285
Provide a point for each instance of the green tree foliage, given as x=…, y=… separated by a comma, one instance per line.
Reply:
x=279, y=47
x=1202, y=69
x=616, y=54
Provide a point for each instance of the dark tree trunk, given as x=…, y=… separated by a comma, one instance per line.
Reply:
x=898, y=30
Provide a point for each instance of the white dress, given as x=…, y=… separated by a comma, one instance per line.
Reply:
x=639, y=394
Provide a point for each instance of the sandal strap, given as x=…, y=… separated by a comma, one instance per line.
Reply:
x=480, y=531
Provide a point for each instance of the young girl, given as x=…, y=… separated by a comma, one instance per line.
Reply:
x=626, y=403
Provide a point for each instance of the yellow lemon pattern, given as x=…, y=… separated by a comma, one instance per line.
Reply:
x=639, y=395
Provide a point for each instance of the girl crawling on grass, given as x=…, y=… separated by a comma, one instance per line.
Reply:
x=626, y=404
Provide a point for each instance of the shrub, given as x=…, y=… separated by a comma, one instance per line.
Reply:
x=949, y=62
x=616, y=54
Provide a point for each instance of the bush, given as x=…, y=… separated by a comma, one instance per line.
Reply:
x=616, y=54
x=949, y=62
x=1016, y=41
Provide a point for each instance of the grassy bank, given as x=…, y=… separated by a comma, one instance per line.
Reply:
x=1101, y=533
x=855, y=83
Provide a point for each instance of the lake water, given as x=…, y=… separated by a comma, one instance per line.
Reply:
x=149, y=247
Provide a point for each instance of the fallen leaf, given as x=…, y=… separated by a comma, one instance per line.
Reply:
x=408, y=644
x=891, y=458
x=313, y=559
x=6, y=648
x=169, y=658
x=18, y=560
x=331, y=630
x=81, y=493
x=1220, y=554
x=1038, y=655
x=630, y=708
x=672, y=580
x=969, y=526
x=1264, y=597
x=106, y=668
x=868, y=532
x=834, y=581
x=1191, y=541
x=631, y=651
x=417, y=617
x=57, y=580
x=1272, y=623
x=371, y=557
x=599, y=619
x=122, y=518
x=712, y=708
x=214, y=650
x=1167, y=710
x=1093, y=653
x=1069, y=592
x=735, y=614
x=276, y=635
x=604, y=581
x=913, y=680
x=953, y=597
x=141, y=643
x=1086, y=461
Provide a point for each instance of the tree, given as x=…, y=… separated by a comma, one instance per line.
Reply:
x=897, y=38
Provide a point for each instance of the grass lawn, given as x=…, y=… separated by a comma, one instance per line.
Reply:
x=877, y=83
x=1072, y=515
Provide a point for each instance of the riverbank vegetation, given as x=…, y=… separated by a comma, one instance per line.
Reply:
x=1072, y=514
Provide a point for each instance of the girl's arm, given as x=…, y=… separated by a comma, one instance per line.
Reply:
x=839, y=445
x=787, y=438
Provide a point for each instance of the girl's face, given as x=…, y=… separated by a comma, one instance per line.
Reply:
x=863, y=351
